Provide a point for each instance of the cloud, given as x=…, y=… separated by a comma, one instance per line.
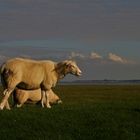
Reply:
x=119, y=59
x=3, y=58
x=94, y=55
x=103, y=60
x=76, y=55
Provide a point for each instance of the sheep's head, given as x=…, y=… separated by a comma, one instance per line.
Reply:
x=71, y=67
x=66, y=67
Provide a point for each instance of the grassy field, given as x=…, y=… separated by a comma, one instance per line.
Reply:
x=87, y=113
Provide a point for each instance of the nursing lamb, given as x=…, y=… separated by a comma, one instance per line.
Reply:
x=33, y=96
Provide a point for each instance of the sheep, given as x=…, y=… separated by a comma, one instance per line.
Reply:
x=33, y=96
x=33, y=74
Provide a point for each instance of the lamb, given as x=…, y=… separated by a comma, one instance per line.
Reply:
x=33, y=74
x=33, y=96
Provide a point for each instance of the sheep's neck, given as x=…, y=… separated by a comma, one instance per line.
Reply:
x=60, y=73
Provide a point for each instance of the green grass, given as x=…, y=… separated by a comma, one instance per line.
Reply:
x=87, y=113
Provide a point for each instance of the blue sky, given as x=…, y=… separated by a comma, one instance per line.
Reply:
x=103, y=36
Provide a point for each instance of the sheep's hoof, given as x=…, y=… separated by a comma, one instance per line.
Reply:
x=48, y=106
x=8, y=108
x=42, y=105
x=18, y=105
x=1, y=107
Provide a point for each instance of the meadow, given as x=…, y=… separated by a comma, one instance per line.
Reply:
x=88, y=112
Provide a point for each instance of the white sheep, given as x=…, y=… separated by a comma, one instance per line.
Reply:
x=33, y=96
x=32, y=74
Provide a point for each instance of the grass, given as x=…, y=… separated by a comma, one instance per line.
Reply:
x=106, y=112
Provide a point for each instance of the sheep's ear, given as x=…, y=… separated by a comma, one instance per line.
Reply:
x=66, y=62
x=69, y=65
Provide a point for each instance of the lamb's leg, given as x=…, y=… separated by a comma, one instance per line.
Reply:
x=47, y=99
x=4, y=101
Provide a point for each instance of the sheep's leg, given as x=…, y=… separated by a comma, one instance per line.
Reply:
x=2, y=104
x=7, y=106
x=47, y=99
x=42, y=98
x=7, y=103
x=4, y=101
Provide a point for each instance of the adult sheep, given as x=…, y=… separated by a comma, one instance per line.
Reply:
x=33, y=96
x=32, y=74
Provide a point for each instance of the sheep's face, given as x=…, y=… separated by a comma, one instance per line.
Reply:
x=72, y=68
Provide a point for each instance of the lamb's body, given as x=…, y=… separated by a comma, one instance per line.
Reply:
x=30, y=74
x=33, y=96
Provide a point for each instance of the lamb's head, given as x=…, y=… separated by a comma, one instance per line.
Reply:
x=54, y=99
x=72, y=68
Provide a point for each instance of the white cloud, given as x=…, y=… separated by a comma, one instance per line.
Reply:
x=76, y=55
x=94, y=55
x=119, y=59
x=2, y=57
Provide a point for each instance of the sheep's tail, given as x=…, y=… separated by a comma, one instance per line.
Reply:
x=2, y=75
x=2, y=68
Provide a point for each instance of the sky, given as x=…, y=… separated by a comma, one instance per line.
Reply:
x=102, y=36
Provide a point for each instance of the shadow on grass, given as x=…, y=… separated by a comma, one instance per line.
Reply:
x=137, y=110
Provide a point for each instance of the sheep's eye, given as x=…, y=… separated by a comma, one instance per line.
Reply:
x=72, y=66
